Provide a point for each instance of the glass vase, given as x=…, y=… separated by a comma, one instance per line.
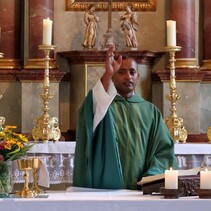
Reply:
x=6, y=182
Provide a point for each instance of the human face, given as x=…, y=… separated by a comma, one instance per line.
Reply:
x=126, y=78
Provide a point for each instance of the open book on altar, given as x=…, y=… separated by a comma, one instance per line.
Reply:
x=185, y=172
x=187, y=179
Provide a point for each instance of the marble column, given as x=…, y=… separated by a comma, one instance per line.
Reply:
x=31, y=77
x=188, y=77
x=37, y=11
x=206, y=35
x=10, y=37
x=183, y=12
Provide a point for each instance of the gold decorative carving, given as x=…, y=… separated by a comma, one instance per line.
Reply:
x=102, y=5
x=10, y=64
x=39, y=64
x=209, y=134
x=1, y=54
x=173, y=122
x=206, y=65
x=186, y=63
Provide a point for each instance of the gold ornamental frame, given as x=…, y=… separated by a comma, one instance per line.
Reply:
x=102, y=5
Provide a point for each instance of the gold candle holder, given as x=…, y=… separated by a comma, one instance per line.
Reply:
x=25, y=165
x=173, y=122
x=46, y=128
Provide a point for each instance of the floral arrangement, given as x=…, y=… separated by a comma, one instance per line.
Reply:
x=12, y=145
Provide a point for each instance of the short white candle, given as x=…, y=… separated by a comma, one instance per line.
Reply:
x=205, y=179
x=47, y=31
x=171, y=33
x=171, y=179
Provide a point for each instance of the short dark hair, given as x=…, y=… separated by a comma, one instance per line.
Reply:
x=124, y=56
x=127, y=56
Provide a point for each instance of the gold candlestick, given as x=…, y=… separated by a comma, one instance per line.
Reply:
x=174, y=123
x=46, y=128
x=209, y=134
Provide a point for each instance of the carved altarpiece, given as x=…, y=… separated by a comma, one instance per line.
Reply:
x=102, y=5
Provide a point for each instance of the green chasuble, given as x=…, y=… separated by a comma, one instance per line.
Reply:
x=130, y=142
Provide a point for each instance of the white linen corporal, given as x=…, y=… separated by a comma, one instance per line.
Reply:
x=44, y=179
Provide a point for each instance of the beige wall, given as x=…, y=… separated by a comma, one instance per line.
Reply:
x=68, y=35
x=69, y=28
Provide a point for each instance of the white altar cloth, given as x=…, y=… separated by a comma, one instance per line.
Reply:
x=192, y=149
x=117, y=200
x=60, y=163
x=66, y=147
x=60, y=147
x=191, y=155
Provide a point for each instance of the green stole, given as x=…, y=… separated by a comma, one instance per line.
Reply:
x=96, y=162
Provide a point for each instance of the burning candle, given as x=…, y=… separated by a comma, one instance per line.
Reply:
x=205, y=179
x=47, y=31
x=171, y=179
x=171, y=33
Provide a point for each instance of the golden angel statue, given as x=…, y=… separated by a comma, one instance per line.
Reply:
x=90, y=20
x=129, y=25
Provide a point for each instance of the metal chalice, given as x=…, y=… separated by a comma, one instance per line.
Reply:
x=35, y=167
x=25, y=164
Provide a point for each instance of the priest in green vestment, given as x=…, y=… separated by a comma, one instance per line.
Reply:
x=120, y=136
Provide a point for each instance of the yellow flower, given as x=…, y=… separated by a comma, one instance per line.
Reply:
x=12, y=144
x=8, y=146
x=21, y=136
x=2, y=134
x=11, y=141
x=10, y=127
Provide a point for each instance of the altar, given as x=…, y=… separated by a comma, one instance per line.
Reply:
x=191, y=155
x=95, y=200
x=59, y=160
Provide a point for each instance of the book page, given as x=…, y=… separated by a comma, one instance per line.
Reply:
x=182, y=172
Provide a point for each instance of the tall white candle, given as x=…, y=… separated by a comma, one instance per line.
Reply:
x=47, y=31
x=171, y=33
x=205, y=179
x=171, y=179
